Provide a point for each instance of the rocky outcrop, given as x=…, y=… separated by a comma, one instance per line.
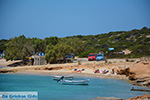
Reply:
x=142, y=81
x=127, y=72
x=145, y=81
x=6, y=71
x=138, y=73
x=106, y=98
x=53, y=68
x=143, y=97
x=144, y=60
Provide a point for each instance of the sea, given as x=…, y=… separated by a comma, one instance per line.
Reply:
x=49, y=89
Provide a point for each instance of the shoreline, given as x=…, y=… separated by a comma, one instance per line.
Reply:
x=138, y=73
x=86, y=76
x=61, y=69
x=51, y=73
x=48, y=73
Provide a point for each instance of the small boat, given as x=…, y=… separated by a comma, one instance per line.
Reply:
x=75, y=82
x=65, y=77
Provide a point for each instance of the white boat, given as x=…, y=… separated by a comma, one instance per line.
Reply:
x=65, y=77
x=75, y=82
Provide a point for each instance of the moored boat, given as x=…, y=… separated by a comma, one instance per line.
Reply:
x=75, y=82
x=65, y=77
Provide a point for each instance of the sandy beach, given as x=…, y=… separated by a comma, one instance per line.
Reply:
x=140, y=69
x=89, y=69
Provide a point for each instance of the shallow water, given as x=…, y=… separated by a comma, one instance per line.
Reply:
x=49, y=89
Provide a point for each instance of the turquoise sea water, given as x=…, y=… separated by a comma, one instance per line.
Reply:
x=49, y=89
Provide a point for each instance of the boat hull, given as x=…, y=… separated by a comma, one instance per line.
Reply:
x=80, y=82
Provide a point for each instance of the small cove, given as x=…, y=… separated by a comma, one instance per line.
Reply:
x=48, y=89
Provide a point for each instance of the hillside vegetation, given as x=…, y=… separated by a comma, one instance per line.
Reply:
x=137, y=41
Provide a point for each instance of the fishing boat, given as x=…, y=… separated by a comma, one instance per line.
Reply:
x=75, y=82
x=65, y=77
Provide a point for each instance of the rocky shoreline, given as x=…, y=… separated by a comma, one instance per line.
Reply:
x=138, y=73
x=143, y=97
x=106, y=98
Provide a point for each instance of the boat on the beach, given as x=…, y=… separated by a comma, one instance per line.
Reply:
x=75, y=82
x=56, y=77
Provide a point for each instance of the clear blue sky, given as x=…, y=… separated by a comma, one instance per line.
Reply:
x=61, y=18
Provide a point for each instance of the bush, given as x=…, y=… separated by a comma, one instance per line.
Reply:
x=85, y=53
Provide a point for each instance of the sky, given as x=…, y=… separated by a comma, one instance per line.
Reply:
x=61, y=18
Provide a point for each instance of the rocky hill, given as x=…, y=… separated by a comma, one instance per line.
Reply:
x=137, y=41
